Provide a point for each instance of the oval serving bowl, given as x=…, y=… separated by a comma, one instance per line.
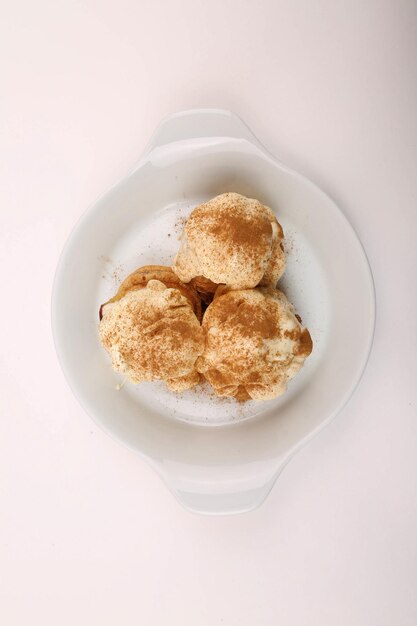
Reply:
x=215, y=455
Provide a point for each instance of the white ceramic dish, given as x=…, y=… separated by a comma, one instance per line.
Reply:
x=215, y=456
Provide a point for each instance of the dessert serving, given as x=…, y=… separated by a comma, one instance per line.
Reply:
x=151, y=329
x=254, y=344
x=232, y=240
x=216, y=315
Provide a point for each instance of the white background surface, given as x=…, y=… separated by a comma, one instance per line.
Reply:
x=88, y=533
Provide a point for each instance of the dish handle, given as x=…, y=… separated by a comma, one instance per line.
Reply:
x=198, y=123
x=220, y=490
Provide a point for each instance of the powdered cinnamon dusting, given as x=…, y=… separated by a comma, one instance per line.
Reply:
x=251, y=342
